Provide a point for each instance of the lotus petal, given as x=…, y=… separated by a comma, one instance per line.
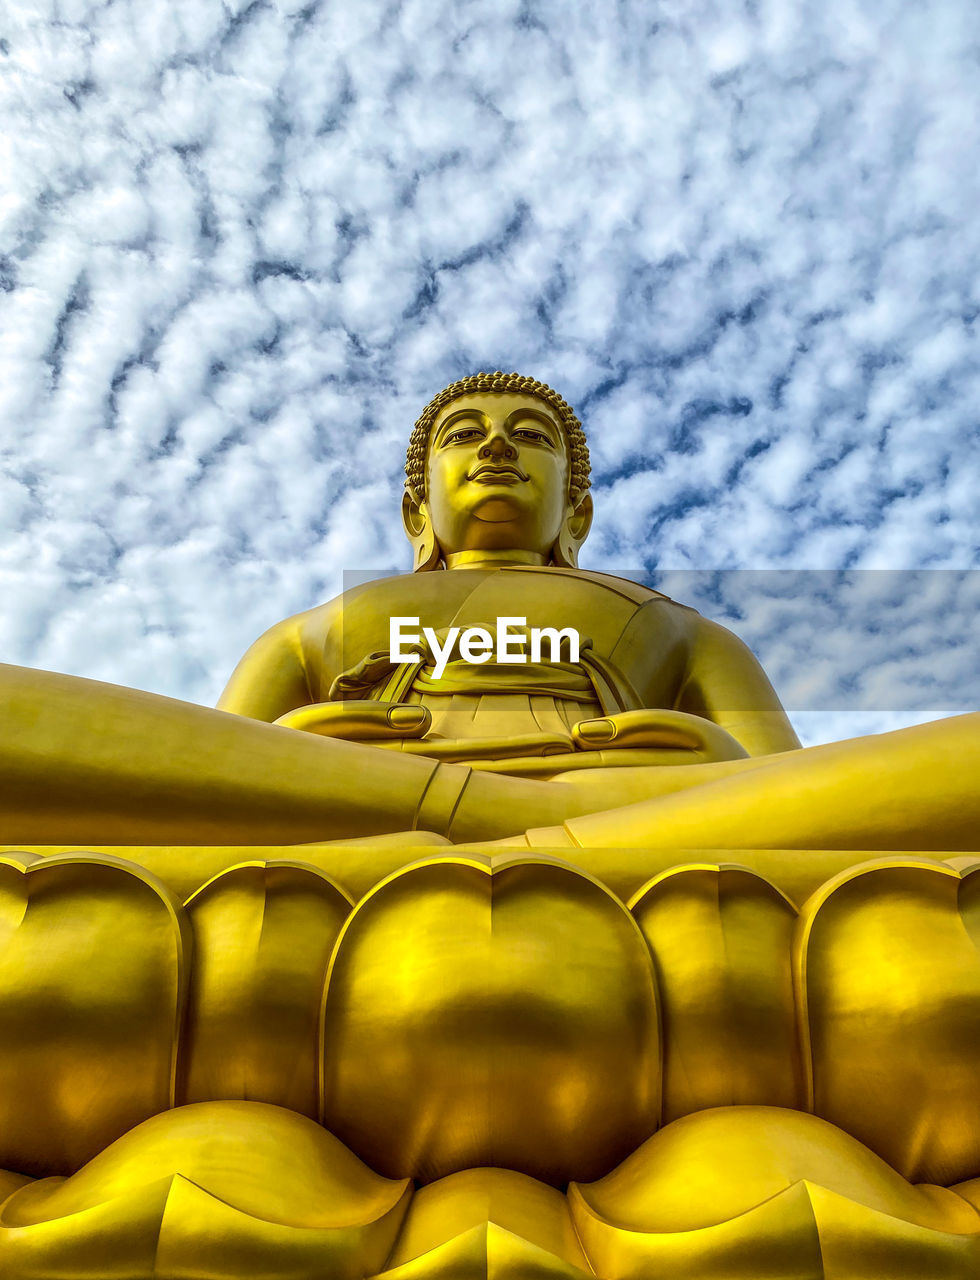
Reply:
x=92, y=988
x=480, y=1015
x=263, y=936
x=889, y=987
x=721, y=938
x=220, y=1189
x=761, y=1193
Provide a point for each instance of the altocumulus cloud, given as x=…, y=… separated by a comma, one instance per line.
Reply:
x=242, y=243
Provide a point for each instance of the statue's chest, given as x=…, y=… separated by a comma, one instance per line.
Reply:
x=519, y=599
x=619, y=626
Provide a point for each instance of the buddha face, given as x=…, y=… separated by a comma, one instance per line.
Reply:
x=497, y=475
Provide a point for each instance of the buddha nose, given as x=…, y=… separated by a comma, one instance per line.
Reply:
x=498, y=446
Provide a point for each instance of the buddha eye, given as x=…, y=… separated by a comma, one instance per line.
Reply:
x=462, y=434
x=528, y=433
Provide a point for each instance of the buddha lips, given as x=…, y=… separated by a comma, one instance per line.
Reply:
x=510, y=641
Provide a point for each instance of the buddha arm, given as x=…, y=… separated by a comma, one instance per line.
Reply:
x=725, y=683
x=271, y=678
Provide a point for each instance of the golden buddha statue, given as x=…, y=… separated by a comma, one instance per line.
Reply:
x=420, y=956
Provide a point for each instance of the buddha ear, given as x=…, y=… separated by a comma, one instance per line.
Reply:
x=418, y=529
x=574, y=531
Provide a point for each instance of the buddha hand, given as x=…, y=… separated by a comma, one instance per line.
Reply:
x=360, y=720
x=660, y=728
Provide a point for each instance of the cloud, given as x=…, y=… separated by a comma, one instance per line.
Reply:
x=242, y=243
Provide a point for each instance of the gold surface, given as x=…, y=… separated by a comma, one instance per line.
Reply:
x=889, y=985
x=217, y=1189
x=482, y=1010
x=229, y=1189
x=505, y=1223
x=721, y=939
x=503, y=1017
x=263, y=937
x=791, y=1197
x=93, y=976
x=502, y=930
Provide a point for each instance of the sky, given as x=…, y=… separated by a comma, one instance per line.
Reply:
x=242, y=244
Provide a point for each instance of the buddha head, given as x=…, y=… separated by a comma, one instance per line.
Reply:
x=497, y=464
